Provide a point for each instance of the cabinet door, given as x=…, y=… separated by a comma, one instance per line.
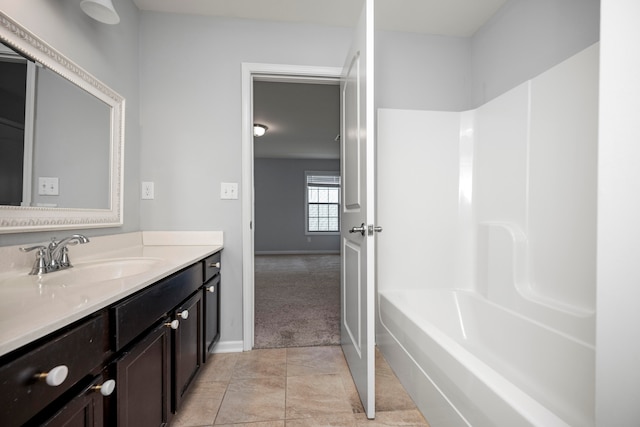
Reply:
x=187, y=344
x=211, y=314
x=144, y=381
x=85, y=410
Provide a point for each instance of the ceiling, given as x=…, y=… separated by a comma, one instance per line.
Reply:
x=303, y=119
x=445, y=17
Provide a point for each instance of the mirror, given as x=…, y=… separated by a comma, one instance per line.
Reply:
x=61, y=139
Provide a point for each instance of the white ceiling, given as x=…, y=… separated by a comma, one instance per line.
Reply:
x=444, y=17
x=309, y=129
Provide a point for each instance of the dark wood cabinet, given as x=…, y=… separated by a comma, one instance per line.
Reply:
x=84, y=410
x=25, y=391
x=143, y=378
x=137, y=313
x=187, y=346
x=211, y=296
x=152, y=343
x=211, y=292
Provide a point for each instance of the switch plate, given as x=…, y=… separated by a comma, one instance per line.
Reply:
x=228, y=190
x=48, y=186
x=147, y=191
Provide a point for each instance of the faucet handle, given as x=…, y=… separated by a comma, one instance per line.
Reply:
x=33, y=248
x=41, y=264
x=64, y=258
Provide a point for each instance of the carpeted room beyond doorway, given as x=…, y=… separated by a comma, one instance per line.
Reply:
x=297, y=300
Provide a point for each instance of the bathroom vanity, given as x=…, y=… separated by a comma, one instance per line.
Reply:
x=125, y=355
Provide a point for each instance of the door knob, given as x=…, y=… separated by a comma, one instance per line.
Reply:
x=360, y=229
x=371, y=228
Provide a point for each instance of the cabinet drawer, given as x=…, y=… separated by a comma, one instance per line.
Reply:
x=211, y=266
x=22, y=394
x=138, y=313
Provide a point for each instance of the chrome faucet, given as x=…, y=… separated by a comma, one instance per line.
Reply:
x=55, y=256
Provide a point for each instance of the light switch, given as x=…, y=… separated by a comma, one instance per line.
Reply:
x=48, y=186
x=228, y=190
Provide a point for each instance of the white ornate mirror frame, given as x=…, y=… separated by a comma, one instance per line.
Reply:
x=14, y=219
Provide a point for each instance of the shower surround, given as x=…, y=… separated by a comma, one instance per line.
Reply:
x=486, y=308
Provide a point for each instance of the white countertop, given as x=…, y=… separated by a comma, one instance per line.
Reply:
x=33, y=310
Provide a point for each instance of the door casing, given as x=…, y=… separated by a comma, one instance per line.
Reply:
x=271, y=72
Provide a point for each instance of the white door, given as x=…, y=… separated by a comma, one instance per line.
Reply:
x=357, y=222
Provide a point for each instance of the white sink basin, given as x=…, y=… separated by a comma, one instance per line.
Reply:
x=84, y=273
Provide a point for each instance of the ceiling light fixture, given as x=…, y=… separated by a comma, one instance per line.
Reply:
x=259, y=130
x=100, y=10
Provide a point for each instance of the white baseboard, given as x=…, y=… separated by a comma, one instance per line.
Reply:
x=228, y=347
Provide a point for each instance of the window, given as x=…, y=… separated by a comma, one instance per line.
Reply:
x=323, y=202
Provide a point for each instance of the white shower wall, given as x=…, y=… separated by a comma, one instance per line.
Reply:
x=525, y=160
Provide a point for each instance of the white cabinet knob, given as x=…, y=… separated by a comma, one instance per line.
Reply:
x=55, y=376
x=106, y=388
x=211, y=289
x=173, y=324
x=215, y=264
x=184, y=314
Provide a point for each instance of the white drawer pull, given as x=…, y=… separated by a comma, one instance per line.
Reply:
x=211, y=289
x=55, y=376
x=184, y=314
x=173, y=324
x=215, y=264
x=106, y=388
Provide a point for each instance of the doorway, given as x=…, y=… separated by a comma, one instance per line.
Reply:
x=253, y=73
x=296, y=213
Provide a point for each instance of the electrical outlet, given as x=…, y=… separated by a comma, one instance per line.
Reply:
x=147, y=191
x=228, y=190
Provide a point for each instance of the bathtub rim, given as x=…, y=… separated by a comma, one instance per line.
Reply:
x=530, y=409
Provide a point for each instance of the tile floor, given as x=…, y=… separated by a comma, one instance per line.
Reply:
x=293, y=387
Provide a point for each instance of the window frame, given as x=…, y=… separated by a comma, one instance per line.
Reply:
x=307, y=232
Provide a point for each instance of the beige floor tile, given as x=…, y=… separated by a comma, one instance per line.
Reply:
x=352, y=393
x=294, y=387
x=218, y=367
x=258, y=424
x=260, y=364
x=411, y=418
x=390, y=394
x=252, y=400
x=338, y=420
x=200, y=405
x=315, y=396
x=315, y=361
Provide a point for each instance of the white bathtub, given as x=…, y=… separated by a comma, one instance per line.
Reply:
x=468, y=361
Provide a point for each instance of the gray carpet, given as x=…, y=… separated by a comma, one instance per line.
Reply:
x=297, y=300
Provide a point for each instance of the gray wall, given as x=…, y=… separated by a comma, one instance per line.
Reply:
x=279, y=193
x=525, y=38
x=422, y=71
x=111, y=54
x=191, y=121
